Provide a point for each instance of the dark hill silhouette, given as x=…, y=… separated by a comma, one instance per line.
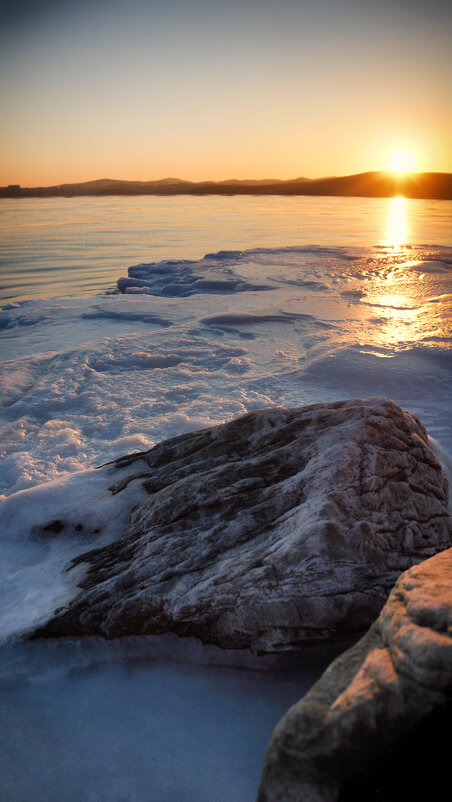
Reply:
x=371, y=185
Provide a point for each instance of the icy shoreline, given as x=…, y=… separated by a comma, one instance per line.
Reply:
x=86, y=380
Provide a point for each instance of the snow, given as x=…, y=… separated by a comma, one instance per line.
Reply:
x=80, y=375
x=37, y=546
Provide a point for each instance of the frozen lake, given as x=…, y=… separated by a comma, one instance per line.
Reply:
x=105, y=721
x=87, y=376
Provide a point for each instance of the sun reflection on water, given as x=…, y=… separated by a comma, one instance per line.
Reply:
x=397, y=228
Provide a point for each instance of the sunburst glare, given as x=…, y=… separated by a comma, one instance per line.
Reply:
x=401, y=161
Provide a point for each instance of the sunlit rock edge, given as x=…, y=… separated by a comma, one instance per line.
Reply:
x=278, y=529
x=374, y=725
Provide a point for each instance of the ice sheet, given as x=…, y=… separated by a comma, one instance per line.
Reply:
x=85, y=379
x=187, y=345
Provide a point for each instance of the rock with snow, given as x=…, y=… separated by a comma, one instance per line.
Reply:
x=281, y=527
x=375, y=726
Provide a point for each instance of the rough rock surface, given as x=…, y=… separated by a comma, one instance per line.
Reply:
x=281, y=527
x=377, y=709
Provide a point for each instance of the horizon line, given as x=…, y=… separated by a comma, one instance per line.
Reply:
x=167, y=179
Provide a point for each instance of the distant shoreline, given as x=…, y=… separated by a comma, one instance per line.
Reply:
x=427, y=186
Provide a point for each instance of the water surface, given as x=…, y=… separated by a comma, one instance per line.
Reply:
x=79, y=246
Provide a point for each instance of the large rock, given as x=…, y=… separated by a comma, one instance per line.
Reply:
x=373, y=727
x=281, y=527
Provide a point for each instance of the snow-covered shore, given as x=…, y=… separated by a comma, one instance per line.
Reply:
x=86, y=380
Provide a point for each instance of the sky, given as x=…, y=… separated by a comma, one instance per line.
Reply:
x=202, y=89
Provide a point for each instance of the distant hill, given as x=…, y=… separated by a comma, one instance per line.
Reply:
x=369, y=185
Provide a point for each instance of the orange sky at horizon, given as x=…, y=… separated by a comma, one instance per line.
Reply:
x=200, y=91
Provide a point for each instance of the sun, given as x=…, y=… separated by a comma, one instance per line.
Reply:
x=401, y=161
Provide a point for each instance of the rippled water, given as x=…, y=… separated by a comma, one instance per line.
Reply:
x=79, y=246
